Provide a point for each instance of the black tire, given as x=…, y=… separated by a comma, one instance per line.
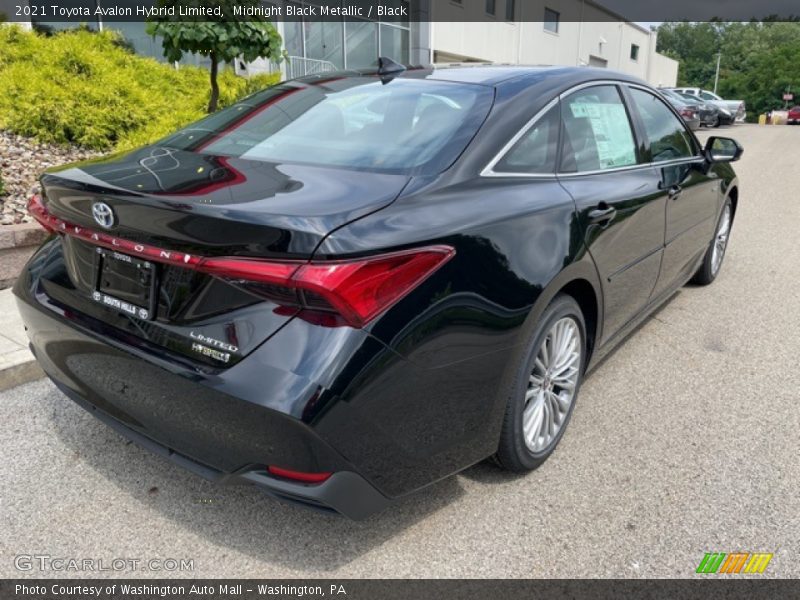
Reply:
x=513, y=453
x=716, y=122
x=706, y=274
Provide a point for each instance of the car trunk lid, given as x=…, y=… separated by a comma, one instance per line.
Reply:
x=136, y=272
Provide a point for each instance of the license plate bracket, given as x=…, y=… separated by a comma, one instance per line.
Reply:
x=125, y=283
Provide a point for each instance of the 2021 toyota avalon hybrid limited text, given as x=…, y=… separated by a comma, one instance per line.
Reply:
x=348, y=286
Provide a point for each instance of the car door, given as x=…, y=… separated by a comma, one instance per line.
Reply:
x=690, y=194
x=619, y=204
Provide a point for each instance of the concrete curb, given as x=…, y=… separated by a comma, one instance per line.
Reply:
x=17, y=243
x=17, y=365
x=25, y=371
x=21, y=234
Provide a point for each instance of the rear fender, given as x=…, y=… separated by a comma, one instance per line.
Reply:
x=583, y=269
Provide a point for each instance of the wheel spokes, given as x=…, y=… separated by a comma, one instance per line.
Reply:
x=551, y=385
x=533, y=417
x=721, y=240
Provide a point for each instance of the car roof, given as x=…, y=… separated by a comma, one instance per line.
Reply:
x=489, y=75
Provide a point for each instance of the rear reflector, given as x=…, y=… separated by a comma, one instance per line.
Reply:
x=357, y=290
x=298, y=475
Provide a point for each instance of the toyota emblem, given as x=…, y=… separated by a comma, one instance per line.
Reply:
x=103, y=214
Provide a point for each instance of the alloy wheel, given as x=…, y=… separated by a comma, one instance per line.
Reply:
x=721, y=240
x=552, y=384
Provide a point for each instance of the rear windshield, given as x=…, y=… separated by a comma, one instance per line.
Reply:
x=403, y=126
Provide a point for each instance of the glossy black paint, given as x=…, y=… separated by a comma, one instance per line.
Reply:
x=419, y=393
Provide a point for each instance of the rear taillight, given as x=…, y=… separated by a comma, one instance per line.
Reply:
x=38, y=211
x=298, y=475
x=687, y=113
x=354, y=291
x=349, y=292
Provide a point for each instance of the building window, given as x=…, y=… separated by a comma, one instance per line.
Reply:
x=394, y=43
x=510, y=9
x=347, y=44
x=324, y=40
x=490, y=7
x=361, y=42
x=551, y=19
x=634, y=52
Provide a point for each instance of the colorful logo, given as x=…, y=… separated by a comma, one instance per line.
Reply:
x=735, y=562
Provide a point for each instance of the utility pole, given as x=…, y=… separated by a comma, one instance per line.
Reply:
x=716, y=77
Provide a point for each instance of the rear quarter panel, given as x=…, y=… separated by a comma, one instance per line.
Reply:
x=463, y=330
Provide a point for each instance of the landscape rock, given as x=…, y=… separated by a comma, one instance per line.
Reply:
x=22, y=160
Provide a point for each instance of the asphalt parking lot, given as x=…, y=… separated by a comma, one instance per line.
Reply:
x=684, y=441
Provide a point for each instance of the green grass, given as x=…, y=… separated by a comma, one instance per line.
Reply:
x=85, y=88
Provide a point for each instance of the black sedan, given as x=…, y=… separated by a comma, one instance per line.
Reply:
x=351, y=285
x=702, y=113
x=690, y=112
x=711, y=115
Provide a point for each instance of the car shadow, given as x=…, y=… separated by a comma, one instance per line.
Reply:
x=239, y=517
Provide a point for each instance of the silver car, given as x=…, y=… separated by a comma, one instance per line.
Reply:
x=736, y=107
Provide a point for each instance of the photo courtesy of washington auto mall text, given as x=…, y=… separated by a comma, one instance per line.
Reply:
x=399, y=299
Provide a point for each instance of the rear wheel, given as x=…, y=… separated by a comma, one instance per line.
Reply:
x=714, y=121
x=712, y=262
x=546, y=387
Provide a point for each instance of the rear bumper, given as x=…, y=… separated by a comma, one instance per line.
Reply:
x=309, y=398
x=194, y=419
x=345, y=492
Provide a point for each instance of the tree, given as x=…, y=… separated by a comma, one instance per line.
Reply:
x=219, y=39
x=759, y=59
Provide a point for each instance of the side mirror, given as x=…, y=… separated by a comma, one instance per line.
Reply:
x=722, y=149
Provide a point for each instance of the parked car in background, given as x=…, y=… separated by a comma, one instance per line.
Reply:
x=736, y=107
x=724, y=116
x=688, y=112
x=324, y=304
x=793, y=116
x=707, y=114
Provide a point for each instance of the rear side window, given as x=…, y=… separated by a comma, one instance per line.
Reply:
x=666, y=134
x=597, y=133
x=535, y=152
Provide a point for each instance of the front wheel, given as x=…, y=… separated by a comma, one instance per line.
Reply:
x=712, y=261
x=545, y=387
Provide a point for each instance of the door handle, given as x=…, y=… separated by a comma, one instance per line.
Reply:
x=602, y=215
x=674, y=192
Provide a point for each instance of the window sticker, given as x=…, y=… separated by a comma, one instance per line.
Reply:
x=612, y=132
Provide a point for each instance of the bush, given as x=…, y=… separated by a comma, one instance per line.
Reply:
x=85, y=88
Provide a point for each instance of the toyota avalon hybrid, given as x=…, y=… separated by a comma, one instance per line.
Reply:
x=351, y=285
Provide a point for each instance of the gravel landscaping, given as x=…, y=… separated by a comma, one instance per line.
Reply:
x=22, y=160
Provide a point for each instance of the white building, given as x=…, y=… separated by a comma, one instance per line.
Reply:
x=547, y=32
